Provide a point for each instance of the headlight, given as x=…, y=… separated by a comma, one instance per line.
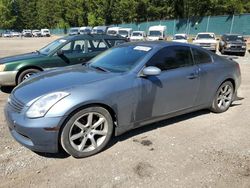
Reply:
x=2, y=67
x=228, y=45
x=244, y=46
x=41, y=106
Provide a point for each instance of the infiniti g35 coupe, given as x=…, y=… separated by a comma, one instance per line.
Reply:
x=128, y=86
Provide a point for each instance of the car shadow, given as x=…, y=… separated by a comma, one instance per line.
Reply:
x=7, y=89
x=156, y=125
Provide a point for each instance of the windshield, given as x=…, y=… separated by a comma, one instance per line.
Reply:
x=205, y=36
x=99, y=31
x=154, y=33
x=120, y=59
x=234, y=38
x=137, y=34
x=123, y=32
x=180, y=37
x=112, y=32
x=52, y=46
x=73, y=30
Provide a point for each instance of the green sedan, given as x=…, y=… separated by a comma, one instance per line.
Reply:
x=66, y=51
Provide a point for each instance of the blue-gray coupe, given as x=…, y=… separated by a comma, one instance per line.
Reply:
x=128, y=86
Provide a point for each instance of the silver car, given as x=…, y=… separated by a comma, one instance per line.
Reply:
x=126, y=87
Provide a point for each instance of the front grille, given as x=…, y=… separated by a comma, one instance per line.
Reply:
x=236, y=47
x=15, y=104
x=205, y=44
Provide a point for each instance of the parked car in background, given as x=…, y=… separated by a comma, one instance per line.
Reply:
x=180, y=38
x=206, y=40
x=126, y=87
x=85, y=30
x=15, y=34
x=157, y=33
x=138, y=36
x=45, y=33
x=125, y=32
x=100, y=30
x=27, y=33
x=232, y=43
x=36, y=33
x=113, y=31
x=6, y=34
x=74, y=31
x=62, y=52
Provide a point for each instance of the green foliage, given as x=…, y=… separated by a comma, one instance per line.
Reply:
x=32, y=14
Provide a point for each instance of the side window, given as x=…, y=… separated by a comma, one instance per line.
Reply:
x=200, y=56
x=79, y=46
x=113, y=42
x=67, y=48
x=96, y=45
x=171, y=58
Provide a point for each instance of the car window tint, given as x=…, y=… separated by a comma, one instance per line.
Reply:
x=171, y=58
x=201, y=57
x=96, y=45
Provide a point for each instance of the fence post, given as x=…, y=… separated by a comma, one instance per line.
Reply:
x=232, y=23
x=208, y=20
x=174, y=28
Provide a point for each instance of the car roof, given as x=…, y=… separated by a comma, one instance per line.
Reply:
x=232, y=35
x=93, y=36
x=156, y=44
x=206, y=33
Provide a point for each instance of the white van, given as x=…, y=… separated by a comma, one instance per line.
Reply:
x=113, y=31
x=45, y=32
x=183, y=38
x=85, y=30
x=157, y=33
x=99, y=30
x=125, y=32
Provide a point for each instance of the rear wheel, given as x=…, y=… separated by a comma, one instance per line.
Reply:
x=24, y=75
x=223, y=98
x=87, y=132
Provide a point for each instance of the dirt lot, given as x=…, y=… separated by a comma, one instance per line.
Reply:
x=200, y=149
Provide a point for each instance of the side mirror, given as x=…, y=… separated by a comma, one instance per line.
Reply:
x=151, y=71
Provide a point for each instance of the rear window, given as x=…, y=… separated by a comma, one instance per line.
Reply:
x=201, y=57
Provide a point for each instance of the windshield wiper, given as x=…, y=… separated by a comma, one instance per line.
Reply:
x=99, y=68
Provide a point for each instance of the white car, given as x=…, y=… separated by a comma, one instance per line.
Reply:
x=15, y=34
x=206, y=40
x=180, y=38
x=85, y=30
x=7, y=34
x=113, y=31
x=36, y=33
x=138, y=36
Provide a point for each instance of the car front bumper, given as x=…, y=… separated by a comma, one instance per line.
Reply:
x=8, y=78
x=211, y=48
x=235, y=50
x=40, y=134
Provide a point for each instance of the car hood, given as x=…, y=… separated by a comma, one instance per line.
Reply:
x=20, y=57
x=58, y=80
x=212, y=41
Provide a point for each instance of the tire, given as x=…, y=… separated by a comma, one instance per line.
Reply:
x=26, y=74
x=223, y=98
x=83, y=136
x=222, y=51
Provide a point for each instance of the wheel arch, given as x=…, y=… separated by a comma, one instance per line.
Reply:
x=78, y=108
x=20, y=70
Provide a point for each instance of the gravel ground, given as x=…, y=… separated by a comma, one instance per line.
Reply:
x=200, y=149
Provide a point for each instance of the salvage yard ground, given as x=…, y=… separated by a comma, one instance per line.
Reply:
x=201, y=149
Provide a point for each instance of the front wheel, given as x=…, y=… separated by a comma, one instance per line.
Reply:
x=223, y=98
x=87, y=132
x=26, y=74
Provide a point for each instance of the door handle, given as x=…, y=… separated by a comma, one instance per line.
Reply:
x=82, y=59
x=192, y=76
